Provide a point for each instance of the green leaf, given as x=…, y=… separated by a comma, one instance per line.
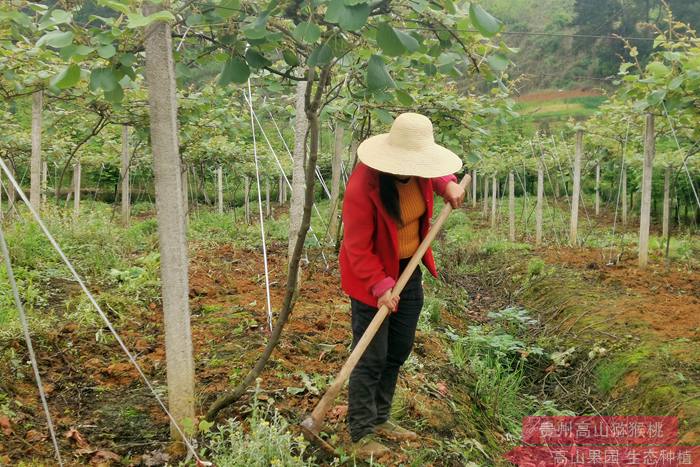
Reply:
x=378, y=77
x=348, y=17
x=127, y=59
x=658, y=69
x=473, y=159
x=676, y=82
x=498, y=62
x=68, y=77
x=235, y=70
x=256, y=59
x=383, y=116
x=195, y=20
x=67, y=53
x=404, y=97
x=254, y=32
x=103, y=78
x=106, y=51
x=137, y=20
x=115, y=5
x=354, y=2
x=408, y=41
x=84, y=50
x=320, y=56
x=656, y=97
x=483, y=21
x=307, y=32
x=61, y=17
x=57, y=39
x=115, y=95
x=290, y=57
x=388, y=41
x=227, y=8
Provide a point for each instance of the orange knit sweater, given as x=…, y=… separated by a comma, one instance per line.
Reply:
x=412, y=209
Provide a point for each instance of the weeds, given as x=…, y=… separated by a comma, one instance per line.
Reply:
x=264, y=440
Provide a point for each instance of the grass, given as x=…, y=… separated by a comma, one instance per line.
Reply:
x=560, y=109
x=496, y=367
x=265, y=440
x=593, y=232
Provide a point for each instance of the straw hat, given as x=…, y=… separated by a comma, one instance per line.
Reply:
x=409, y=149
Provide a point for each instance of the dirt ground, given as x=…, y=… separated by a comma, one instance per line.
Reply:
x=667, y=300
x=104, y=414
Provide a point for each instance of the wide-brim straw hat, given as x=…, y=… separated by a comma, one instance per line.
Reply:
x=409, y=149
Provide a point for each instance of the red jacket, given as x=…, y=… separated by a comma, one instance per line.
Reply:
x=369, y=260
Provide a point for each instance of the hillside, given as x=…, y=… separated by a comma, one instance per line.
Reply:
x=555, y=44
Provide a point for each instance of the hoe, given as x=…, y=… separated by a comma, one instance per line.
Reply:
x=312, y=424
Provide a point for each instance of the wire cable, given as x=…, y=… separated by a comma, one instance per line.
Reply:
x=100, y=312
x=260, y=208
x=685, y=165
x=289, y=184
x=30, y=347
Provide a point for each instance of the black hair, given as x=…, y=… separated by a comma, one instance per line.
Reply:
x=389, y=195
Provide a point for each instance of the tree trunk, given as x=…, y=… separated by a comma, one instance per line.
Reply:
x=353, y=158
x=301, y=125
x=511, y=206
x=185, y=187
x=76, y=189
x=246, y=198
x=312, y=110
x=485, y=199
x=44, y=182
x=203, y=184
x=336, y=167
x=125, y=182
x=623, y=196
x=494, y=200
x=10, y=187
x=667, y=201
x=576, y=189
x=220, y=188
x=172, y=233
x=540, y=205
x=268, y=210
x=280, y=187
x=474, y=188
x=35, y=187
x=645, y=211
x=597, y=188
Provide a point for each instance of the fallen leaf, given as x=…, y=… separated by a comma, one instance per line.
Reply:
x=33, y=436
x=338, y=413
x=69, y=328
x=104, y=458
x=75, y=436
x=5, y=425
x=155, y=458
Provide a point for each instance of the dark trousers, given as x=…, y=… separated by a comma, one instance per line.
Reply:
x=373, y=381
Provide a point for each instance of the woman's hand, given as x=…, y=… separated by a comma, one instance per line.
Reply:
x=389, y=300
x=454, y=194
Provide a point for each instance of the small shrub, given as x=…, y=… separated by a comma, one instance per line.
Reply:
x=266, y=442
x=430, y=315
x=535, y=267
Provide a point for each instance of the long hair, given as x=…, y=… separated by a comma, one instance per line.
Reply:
x=389, y=195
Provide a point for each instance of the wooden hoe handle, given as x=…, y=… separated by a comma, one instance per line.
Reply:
x=324, y=404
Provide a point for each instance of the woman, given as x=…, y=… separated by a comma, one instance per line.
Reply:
x=386, y=212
